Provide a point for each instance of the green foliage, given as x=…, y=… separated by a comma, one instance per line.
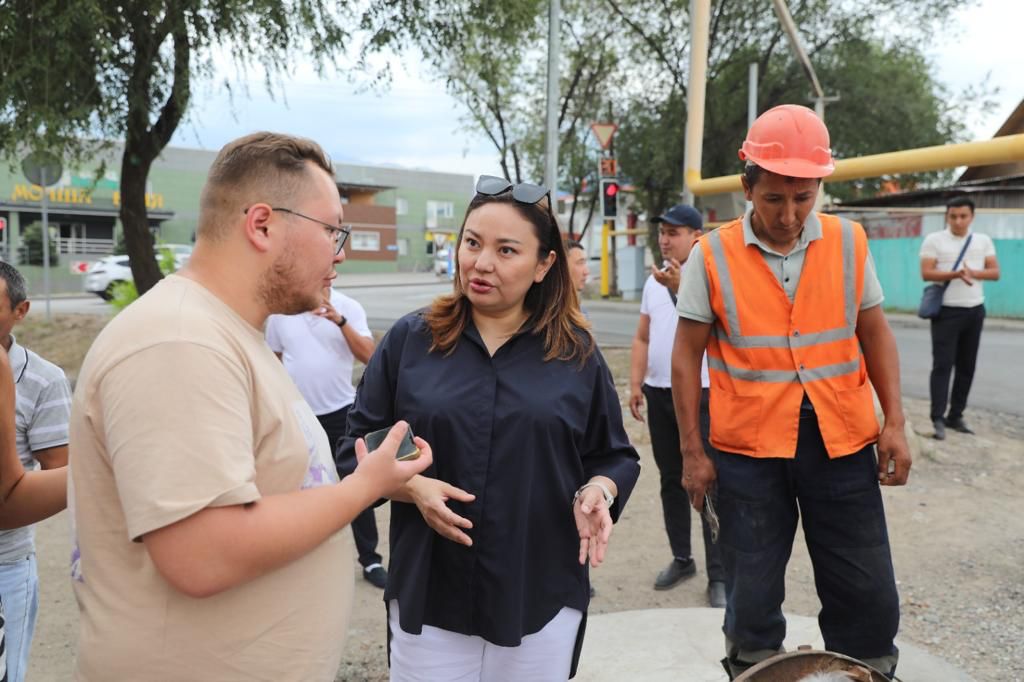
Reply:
x=77, y=71
x=123, y=294
x=627, y=61
x=31, y=249
x=889, y=96
x=120, y=248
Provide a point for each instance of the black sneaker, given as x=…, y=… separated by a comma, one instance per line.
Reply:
x=958, y=424
x=675, y=573
x=376, y=576
x=940, y=429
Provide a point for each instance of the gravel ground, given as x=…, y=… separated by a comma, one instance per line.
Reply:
x=957, y=535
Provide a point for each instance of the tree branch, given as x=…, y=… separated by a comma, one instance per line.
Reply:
x=651, y=43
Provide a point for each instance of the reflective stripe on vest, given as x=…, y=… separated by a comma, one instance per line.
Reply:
x=735, y=337
x=767, y=351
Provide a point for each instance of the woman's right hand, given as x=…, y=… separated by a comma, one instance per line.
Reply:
x=431, y=496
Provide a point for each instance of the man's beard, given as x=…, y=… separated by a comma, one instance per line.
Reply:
x=277, y=290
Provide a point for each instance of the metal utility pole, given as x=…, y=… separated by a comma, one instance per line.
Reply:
x=693, y=152
x=551, y=154
x=752, y=96
x=44, y=169
x=789, y=26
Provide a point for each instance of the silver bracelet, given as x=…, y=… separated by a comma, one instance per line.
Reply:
x=609, y=499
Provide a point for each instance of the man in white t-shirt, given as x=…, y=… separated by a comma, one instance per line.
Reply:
x=319, y=349
x=651, y=378
x=204, y=503
x=956, y=332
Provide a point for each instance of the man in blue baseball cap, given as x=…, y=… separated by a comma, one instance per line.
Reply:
x=651, y=378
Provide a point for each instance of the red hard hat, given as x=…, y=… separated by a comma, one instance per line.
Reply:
x=789, y=140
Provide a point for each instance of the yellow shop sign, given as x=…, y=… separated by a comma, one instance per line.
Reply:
x=74, y=196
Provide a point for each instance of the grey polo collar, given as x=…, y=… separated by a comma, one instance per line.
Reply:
x=18, y=358
x=810, y=233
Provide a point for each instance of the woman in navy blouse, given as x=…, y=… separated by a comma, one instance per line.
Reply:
x=490, y=546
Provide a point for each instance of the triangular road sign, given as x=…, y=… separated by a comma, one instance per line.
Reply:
x=604, y=133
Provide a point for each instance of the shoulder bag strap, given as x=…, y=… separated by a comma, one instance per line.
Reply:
x=961, y=256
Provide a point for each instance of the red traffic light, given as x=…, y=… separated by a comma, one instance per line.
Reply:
x=611, y=189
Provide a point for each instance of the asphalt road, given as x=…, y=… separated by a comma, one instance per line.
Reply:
x=997, y=382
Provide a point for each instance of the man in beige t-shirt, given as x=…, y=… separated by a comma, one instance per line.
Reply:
x=203, y=495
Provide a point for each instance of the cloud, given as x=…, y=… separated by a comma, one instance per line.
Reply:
x=984, y=40
x=412, y=123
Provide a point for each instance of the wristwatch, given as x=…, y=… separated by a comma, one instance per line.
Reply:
x=609, y=499
x=342, y=322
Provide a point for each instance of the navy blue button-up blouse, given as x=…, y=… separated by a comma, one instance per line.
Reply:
x=522, y=435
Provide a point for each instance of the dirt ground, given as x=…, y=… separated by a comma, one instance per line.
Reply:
x=957, y=536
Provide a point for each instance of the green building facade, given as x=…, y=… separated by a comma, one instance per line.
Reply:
x=398, y=216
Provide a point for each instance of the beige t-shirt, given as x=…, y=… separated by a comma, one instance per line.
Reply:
x=180, y=406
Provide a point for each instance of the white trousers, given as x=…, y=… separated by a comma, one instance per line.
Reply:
x=438, y=655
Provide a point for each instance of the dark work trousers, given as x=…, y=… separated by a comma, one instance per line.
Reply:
x=840, y=504
x=675, y=503
x=956, y=333
x=364, y=526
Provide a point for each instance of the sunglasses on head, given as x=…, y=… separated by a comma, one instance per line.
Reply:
x=523, y=192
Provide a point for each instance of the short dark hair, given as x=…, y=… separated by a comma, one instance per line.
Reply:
x=16, y=289
x=957, y=202
x=573, y=244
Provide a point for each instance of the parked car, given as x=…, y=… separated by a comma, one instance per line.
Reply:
x=110, y=271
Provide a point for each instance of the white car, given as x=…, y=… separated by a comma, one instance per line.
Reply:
x=110, y=271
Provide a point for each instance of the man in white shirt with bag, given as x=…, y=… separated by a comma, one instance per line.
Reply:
x=956, y=331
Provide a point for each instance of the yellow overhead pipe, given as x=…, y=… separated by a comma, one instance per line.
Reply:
x=1006, y=149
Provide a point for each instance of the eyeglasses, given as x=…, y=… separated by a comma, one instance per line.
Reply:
x=523, y=192
x=338, y=235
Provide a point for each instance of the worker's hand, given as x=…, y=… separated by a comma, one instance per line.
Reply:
x=594, y=524
x=636, y=403
x=698, y=475
x=381, y=470
x=893, y=456
x=431, y=498
x=669, y=277
x=966, y=275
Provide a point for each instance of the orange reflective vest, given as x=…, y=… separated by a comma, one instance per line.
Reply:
x=765, y=352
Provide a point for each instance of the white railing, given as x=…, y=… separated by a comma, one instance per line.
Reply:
x=74, y=246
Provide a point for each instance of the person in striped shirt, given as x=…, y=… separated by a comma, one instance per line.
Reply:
x=42, y=410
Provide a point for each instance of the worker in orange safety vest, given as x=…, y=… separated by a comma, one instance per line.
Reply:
x=787, y=304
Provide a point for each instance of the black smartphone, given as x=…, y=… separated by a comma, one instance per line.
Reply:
x=407, y=450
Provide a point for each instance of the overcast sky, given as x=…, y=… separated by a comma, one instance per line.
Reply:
x=416, y=125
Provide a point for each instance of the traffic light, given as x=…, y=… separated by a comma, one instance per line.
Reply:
x=609, y=198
